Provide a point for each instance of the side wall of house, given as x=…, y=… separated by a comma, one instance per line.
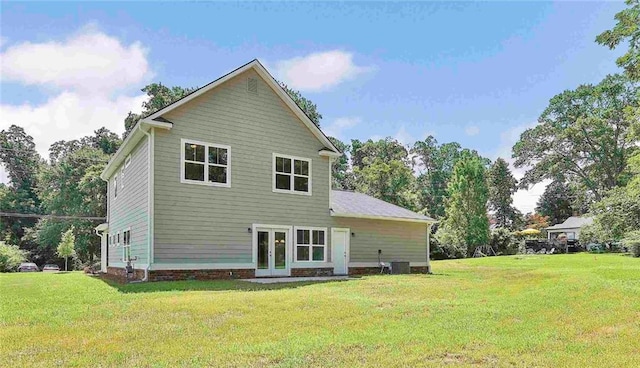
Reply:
x=200, y=224
x=129, y=209
x=398, y=241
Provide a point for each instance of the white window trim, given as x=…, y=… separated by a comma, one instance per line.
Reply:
x=122, y=178
x=115, y=186
x=117, y=239
x=206, y=163
x=290, y=191
x=310, y=245
x=127, y=161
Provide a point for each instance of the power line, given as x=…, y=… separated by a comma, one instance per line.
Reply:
x=56, y=217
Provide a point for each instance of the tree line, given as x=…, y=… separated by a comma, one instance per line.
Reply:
x=585, y=142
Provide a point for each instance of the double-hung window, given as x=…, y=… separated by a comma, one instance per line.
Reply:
x=291, y=174
x=311, y=244
x=126, y=245
x=205, y=163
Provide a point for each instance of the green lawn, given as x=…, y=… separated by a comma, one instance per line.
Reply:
x=564, y=310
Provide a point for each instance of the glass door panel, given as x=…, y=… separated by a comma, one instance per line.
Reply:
x=280, y=250
x=263, y=250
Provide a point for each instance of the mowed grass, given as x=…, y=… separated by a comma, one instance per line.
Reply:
x=578, y=310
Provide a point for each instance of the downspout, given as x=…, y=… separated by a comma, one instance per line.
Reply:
x=149, y=202
x=429, y=248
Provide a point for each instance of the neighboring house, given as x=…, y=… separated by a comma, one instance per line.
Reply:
x=570, y=228
x=234, y=180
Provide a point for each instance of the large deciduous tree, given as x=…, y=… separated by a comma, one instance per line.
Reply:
x=466, y=224
x=502, y=186
x=22, y=162
x=583, y=136
x=159, y=97
x=342, y=177
x=436, y=164
x=71, y=186
x=382, y=169
x=627, y=28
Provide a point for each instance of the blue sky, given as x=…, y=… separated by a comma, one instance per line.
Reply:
x=475, y=73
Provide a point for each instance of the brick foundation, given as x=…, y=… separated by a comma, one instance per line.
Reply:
x=119, y=274
x=311, y=272
x=171, y=275
x=356, y=271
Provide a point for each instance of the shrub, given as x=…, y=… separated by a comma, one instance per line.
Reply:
x=10, y=257
x=632, y=241
x=504, y=242
x=449, y=245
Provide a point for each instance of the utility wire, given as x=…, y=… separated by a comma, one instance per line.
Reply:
x=56, y=217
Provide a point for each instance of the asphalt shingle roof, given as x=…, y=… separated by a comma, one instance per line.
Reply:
x=572, y=222
x=352, y=204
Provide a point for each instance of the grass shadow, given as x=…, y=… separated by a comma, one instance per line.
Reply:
x=206, y=285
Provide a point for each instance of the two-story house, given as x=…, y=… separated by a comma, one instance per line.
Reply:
x=234, y=180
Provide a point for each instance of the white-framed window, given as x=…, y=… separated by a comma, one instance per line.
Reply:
x=126, y=244
x=205, y=163
x=122, y=177
x=118, y=239
x=311, y=244
x=127, y=161
x=291, y=174
x=115, y=186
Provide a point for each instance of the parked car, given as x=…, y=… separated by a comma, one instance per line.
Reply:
x=28, y=267
x=51, y=268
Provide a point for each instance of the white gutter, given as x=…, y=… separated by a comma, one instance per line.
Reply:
x=387, y=218
x=149, y=201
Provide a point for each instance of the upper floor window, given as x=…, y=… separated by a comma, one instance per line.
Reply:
x=115, y=186
x=122, y=177
x=291, y=174
x=205, y=163
x=127, y=161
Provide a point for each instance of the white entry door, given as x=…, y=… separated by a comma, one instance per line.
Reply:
x=273, y=252
x=340, y=250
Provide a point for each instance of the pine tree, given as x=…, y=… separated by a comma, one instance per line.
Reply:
x=502, y=185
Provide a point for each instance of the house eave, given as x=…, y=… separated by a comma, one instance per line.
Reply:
x=130, y=142
x=385, y=218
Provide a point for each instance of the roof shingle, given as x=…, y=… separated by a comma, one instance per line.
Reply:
x=352, y=204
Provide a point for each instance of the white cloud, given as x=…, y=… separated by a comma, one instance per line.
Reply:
x=318, y=71
x=471, y=130
x=86, y=75
x=69, y=115
x=338, y=126
x=88, y=61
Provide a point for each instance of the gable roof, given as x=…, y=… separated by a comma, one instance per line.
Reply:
x=156, y=120
x=573, y=222
x=271, y=82
x=359, y=205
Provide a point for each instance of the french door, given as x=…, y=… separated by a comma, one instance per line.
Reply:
x=273, y=252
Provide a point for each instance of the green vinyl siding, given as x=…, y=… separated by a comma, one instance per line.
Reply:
x=130, y=208
x=398, y=240
x=205, y=224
